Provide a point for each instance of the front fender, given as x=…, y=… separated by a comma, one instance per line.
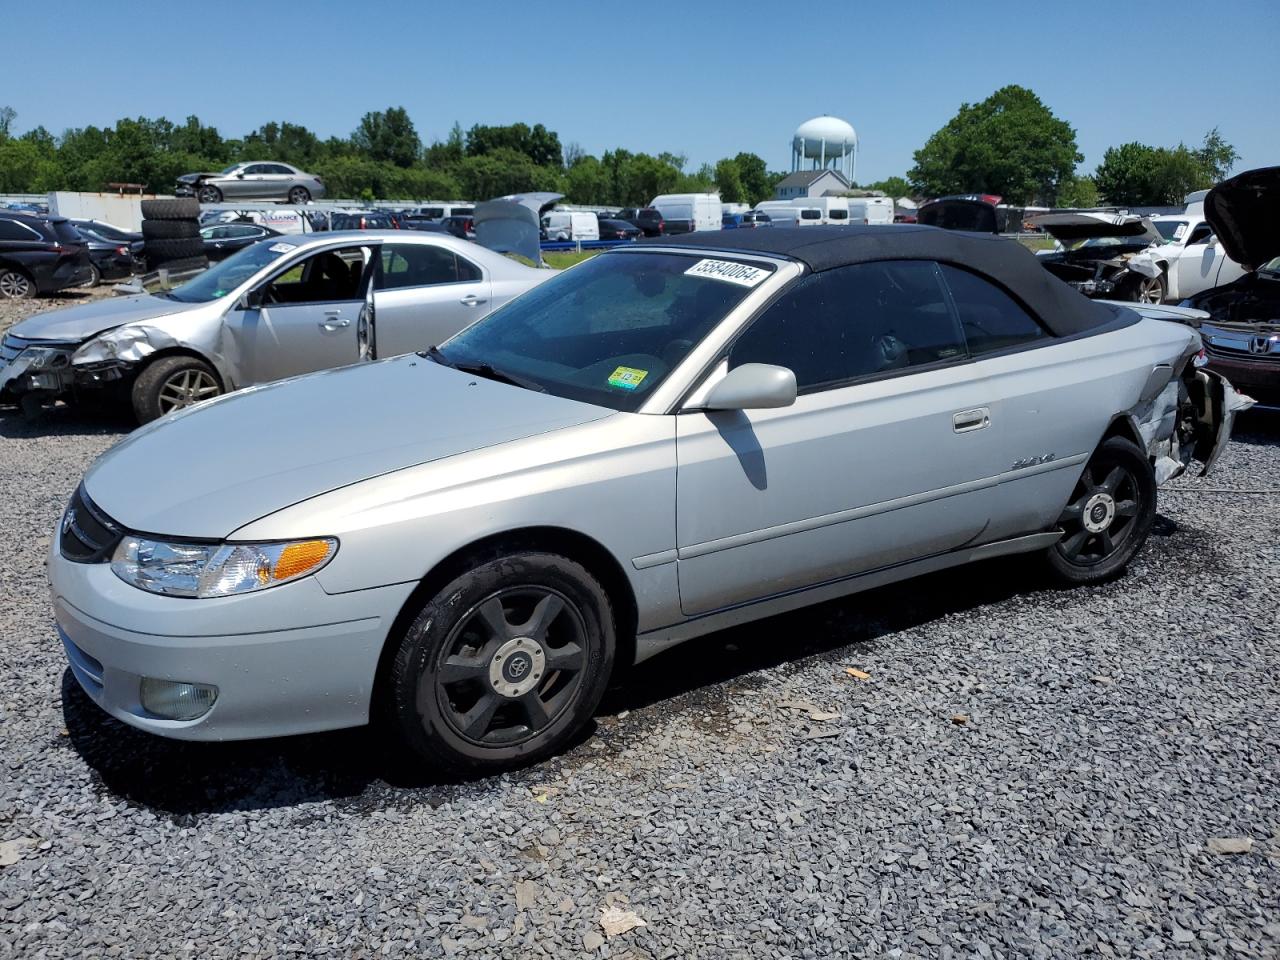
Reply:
x=1146, y=265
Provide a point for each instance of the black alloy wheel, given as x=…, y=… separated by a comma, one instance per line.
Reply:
x=1109, y=515
x=502, y=666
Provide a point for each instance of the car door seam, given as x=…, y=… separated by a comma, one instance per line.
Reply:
x=808, y=524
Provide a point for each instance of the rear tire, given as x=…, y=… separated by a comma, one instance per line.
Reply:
x=95, y=276
x=299, y=195
x=170, y=229
x=15, y=285
x=1108, y=517
x=503, y=666
x=172, y=383
x=181, y=208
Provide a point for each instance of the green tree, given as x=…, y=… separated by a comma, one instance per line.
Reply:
x=1010, y=144
x=288, y=142
x=892, y=187
x=588, y=181
x=388, y=136
x=729, y=182
x=756, y=185
x=7, y=116
x=1216, y=156
x=540, y=145
x=1078, y=192
x=1135, y=174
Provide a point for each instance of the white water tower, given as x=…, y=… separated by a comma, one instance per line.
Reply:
x=825, y=142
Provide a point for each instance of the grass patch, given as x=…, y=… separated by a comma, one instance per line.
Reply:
x=1037, y=243
x=566, y=258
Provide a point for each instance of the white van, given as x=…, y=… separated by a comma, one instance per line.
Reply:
x=438, y=211
x=785, y=213
x=571, y=225
x=281, y=221
x=687, y=212
x=834, y=209
x=872, y=210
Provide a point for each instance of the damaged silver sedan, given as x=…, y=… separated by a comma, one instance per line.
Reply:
x=659, y=442
x=282, y=307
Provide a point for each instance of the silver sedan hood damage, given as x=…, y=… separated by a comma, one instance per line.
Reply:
x=209, y=477
x=74, y=324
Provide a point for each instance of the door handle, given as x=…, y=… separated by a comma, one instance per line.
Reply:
x=334, y=323
x=471, y=300
x=967, y=421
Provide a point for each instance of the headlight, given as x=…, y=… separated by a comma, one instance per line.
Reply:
x=42, y=358
x=123, y=343
x=217, y=569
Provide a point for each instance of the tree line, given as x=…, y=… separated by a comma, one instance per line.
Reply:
x=1010, y=144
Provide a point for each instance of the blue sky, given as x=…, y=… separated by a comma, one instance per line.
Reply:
x=702, y=79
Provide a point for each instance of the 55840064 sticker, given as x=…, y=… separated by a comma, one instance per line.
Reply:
x=627, y=378
x=727, y=271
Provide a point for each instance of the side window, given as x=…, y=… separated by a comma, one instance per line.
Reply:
x=13, y=230
x=333, y=275
x=420, y=265
x=1200, y=234
x=856, y=321
x=277, y=168
x=992, y=320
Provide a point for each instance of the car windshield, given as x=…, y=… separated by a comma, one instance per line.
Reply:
x=222, y=278
x=1171, y=231
x=230, y=170
x=1140, y=241
x=607, y=331
x=1271, y=268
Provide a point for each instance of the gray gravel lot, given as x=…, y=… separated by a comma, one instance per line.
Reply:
x=1025, y=772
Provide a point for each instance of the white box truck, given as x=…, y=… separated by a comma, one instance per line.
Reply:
x=871, y=210
x=786, y=213
x=687, y=212
x=834, y=209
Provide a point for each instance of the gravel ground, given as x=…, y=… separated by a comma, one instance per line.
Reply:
x=11, y=311
x=1023, y=771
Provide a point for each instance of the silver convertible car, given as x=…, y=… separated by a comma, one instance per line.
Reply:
x=284, y=306
x=466, y=543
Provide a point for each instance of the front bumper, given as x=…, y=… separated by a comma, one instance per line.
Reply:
x=1260, y=379
x=292, y=659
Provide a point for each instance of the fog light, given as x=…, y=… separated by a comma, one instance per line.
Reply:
x=175, y=700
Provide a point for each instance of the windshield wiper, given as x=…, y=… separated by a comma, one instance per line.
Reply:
x=490, y=372
x=486, y=370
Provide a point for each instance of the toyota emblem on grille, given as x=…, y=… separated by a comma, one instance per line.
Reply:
x=1260, y=345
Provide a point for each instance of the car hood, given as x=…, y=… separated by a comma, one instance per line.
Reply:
x=206, y=471
x=73, y=324
x=1070, y=227
x=196, y=177
x=1243, y=212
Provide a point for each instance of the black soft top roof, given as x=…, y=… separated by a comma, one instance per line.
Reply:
x=1007, y=262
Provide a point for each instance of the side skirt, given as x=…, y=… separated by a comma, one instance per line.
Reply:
x=655, y=641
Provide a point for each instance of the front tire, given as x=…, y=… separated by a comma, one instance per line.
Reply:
x=1151, y=290
x=1108, y=517
x=172, y=383
x=209, y=194
x=503, y=666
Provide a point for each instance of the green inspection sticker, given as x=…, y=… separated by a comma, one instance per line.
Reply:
x=628, y=378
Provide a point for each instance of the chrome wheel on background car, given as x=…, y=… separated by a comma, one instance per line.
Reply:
x=185, y=388
x=299, y=195
x=503, y=665
x=209, y=194
x=15, y=285
x=1108, y=516
x=1150, y=290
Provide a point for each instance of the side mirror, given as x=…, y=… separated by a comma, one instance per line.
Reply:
x=753, y=386
x=249, y=300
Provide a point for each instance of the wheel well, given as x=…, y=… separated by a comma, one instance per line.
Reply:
x=179, y=352
x=1122, y=426
x=568, y=543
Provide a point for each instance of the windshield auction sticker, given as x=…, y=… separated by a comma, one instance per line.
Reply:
x=627, y=378
x=728, y=271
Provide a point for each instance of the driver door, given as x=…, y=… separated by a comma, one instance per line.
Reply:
x=305, y=318
x=1200, y=262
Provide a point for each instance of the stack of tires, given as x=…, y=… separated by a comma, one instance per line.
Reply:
x=171, y=234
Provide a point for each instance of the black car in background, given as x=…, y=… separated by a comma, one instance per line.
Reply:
x=40, y=255
x=648, y=219
x=114, y=254
x=223, y=239
x=619, y=230
x=463, y=227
